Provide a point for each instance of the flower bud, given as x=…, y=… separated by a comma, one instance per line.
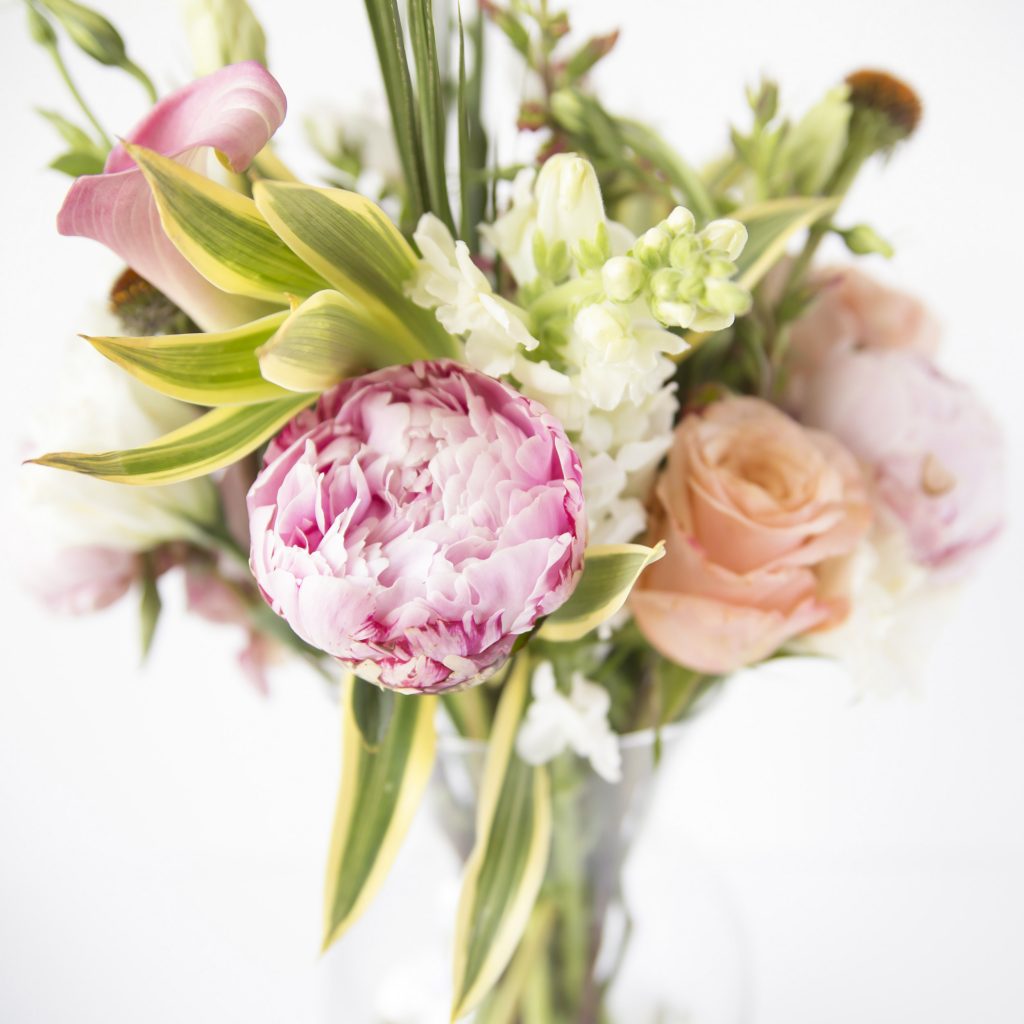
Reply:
x=726, y=297
x=728, y=236
x=683, y=251
x=569, y=204
x=90, y=31
x=222, y=32
x=652, y=246
x=864, y=240
x=681, y=221
x=674, y=314
x=623, y=278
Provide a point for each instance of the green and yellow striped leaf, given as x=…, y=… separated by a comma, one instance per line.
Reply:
x=380, y=792
x=504, y=872
x=770, y=225
x=222, y=234
x=205, y=369
x=609, y=572
x=212, y=441
x=350, y=241
x=331, y=337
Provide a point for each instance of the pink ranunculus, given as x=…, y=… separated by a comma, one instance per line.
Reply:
x=751, y=506
x=79, y=580
x=853, y=311
x=934, y=452
x=234, y=111
x=417, y=522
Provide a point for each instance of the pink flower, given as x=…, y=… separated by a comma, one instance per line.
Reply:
x=416, y=522
x=79, y=580
x=751, y=506
x=935, y=454
x=234, y=111
x=851, y=310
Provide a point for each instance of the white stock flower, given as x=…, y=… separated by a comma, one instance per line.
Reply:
x=579, y=722
x=95, y=407
x=511, y=234
x=449, y=282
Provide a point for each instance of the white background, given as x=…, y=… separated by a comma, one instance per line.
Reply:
x=162, y=833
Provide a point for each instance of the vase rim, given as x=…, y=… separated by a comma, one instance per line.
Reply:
x=451, y=742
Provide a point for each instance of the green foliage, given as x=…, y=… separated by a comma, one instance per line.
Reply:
x=387, y=755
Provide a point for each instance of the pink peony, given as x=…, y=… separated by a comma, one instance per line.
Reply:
x=416, y=522
x=751, y=507
x=934, y=452
x=852, y=310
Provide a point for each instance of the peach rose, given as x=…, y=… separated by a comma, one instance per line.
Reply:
x=853, y=311
x=750, y=506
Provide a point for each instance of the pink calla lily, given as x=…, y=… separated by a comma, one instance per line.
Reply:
x=234, y=111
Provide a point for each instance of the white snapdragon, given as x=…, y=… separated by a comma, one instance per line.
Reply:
x=450, y=283
x=555, y=723
x=593, y=344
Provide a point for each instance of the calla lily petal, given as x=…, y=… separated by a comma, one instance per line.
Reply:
x=234, y=111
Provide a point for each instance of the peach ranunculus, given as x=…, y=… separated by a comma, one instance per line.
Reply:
x=853, y=311
x=750, y=506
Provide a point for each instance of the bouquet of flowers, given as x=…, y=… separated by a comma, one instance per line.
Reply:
x=525, y=457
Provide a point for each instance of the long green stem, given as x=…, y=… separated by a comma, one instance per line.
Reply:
x=58, y=60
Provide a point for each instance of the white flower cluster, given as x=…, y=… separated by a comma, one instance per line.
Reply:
x=590, y=339
x=555, y=723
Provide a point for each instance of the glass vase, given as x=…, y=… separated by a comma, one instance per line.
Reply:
x=604, y=946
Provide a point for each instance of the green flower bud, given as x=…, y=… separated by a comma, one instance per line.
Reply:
x=728, y=236
x=719, y=268
x=674, y=314
x=222, y=32
x=681, y=221
x=652, y=246
x=706, y=321
x=683, y=251
x=90, y=31
x=623, y=278
x=864, y=240
x=665, y=284
x=726, y=297
x=40, y=29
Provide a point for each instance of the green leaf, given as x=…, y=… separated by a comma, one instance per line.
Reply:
x=372, y=707
x=75, y=163
x=149, y=605
x=609, y=572
x=515, y=31
x=504, y=872
x=78, y=139
x=431, y=108
x=214, y=440
x=350, y=241
x=390, y=42
x=379, y=794
x=205, y=369
x=331, y=337
x=222, y=234
x=648, y=145
x=472, y=138
x=770, y=226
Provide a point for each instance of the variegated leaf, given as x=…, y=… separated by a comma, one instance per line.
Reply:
x=506, y=868
x=214, y=440
x=609, y=572
x=380, y=791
